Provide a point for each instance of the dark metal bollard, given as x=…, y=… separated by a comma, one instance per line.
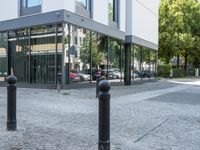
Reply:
x=104, y=116
x=59, y=81
x=11, y=103
x=98, y=79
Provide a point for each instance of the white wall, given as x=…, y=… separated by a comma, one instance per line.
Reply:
x=144, y=20
x=122, y=15
x=8, y=9
x=129, y=17
x=52, y=5
x=100, y=11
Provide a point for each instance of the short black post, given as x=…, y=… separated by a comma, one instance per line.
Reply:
x=59, y=80
x=11, y=103
x=104, y=115
x=98, y=79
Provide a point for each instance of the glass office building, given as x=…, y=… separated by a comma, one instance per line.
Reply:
x=40, y=40
x=37, y=54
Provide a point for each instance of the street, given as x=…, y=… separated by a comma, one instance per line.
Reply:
x=159, y=115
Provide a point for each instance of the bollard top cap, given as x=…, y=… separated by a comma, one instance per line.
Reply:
x=11, y=79
x=104, y=86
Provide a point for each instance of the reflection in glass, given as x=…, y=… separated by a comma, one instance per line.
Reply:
x=31, y=3
x=83, y=3
x=99, y=55
x=144, y=62
x=3, y=56
x=136, y=59
x=145, y=72
x=43, y=54
x=153, y=55
x=18, y=42
x=77, y=58
x=111, y=10
x=114, y=60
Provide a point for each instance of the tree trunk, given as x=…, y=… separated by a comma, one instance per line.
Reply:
x=186, y=57
x=177, y=63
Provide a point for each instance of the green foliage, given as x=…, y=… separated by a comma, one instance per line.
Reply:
x=179, y=30
x=177, y=73
x=164, y=70
x=97, y=49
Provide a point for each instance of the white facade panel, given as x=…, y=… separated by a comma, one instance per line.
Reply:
x=100, y=11
x=69, y=5
x=8, y=10
x=129, y=17
x=145, y=20
x=52, y=5
x=122, y=15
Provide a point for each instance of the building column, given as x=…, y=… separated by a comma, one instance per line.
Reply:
x=9, y=63
x=127, y=71
x=63, y=56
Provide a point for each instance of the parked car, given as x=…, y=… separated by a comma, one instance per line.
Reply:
x=145, y=74
x=84, y=76
x=117, y=74
x=136, y=74
x=97, y=73
x=74, y=77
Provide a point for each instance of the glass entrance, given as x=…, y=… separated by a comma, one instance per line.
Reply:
x=43, y=54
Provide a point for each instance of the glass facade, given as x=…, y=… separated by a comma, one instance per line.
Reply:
x=84, y=3
x=143, y=63
x=113, y=10
x=115, y=59
x=44, y=56
x=3, y=56
x=28, y=7
x=77, y=54
x=36, y=55
x=18, y=43
x=31, y=3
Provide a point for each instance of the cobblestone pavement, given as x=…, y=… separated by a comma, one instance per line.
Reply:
x=162, y=115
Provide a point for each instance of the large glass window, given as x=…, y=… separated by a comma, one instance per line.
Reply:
x=3, y=56
x=77, y=55
x=153, y=56
x=31, y=3
x=43, y=54
x=95, y=55
x=84, y=4
x=136, y=61
x=143, y=62
x=28, y=7
x=36, y=53
x=18, y=42
x=99, y=55
x=115, y=60
x=113, y=10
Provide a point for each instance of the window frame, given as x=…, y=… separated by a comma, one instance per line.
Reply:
x=115, y=13
x=83, y=10
x=87, y=4
x=25, y=10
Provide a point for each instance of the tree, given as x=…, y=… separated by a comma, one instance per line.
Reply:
x=97, y=54
x=179, y=29
x=166, y=35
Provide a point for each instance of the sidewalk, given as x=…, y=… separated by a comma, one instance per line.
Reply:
x=143, y=117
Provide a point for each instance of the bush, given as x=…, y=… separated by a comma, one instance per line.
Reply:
x=164, y=70
x=177, y=73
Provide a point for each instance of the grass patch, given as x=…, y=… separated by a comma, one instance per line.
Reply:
x=66, y=93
